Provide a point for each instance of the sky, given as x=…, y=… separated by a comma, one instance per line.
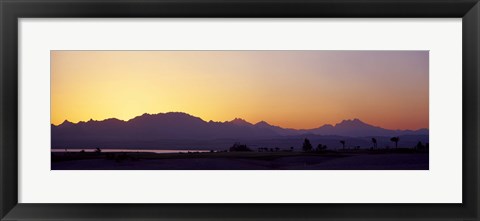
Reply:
x=291, y=89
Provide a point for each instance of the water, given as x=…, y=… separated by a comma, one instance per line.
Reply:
x=131, y=150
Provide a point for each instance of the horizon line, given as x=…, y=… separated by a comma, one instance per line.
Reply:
x=348, y=119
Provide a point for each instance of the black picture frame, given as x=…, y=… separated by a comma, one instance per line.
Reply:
x=12, y=10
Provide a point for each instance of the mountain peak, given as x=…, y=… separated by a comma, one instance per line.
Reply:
x=262, y=124
x=351, y=122
x=167, y=114
x=178, y=114
x=240, y=122
x=66, y=123
x=326, y=126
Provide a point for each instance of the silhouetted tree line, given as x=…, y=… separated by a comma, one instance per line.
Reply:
x=395, y=140
x=374, y=141
x=237, y=147
x=307, y=146
x=321, y=147
x=276, y=149
x=421, y=147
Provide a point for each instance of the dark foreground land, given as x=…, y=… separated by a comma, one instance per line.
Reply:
x=342, y=160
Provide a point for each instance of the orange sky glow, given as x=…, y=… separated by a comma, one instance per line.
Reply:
x=291, y=89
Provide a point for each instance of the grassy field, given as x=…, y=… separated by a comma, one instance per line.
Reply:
x=396, y=159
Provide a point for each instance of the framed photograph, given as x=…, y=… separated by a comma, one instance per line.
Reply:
x=255, y=110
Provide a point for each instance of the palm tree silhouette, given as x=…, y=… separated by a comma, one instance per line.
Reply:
x=343, y=143
x=374, y=141
x=395, y=140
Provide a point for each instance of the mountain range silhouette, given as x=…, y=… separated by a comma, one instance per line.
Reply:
x=177, y=127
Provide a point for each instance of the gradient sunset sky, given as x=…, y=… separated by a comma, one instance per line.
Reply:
x=293, y=89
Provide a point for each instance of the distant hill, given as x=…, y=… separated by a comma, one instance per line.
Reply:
x=175, y=129
x=357, y=128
